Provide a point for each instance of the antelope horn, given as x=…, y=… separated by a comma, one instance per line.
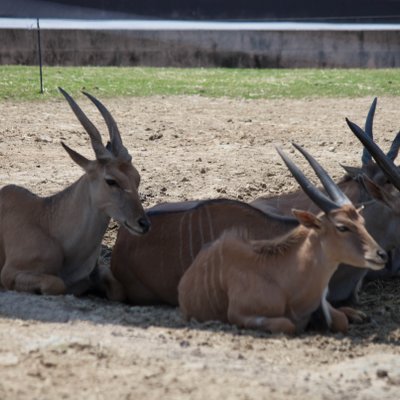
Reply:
x=330, y=186
x=95, y=138
x=394, y=148
x=386, y=164
x=117, y=147
x=322, y=201
x=366, y=156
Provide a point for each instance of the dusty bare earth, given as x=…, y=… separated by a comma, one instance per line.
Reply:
x=186, y=148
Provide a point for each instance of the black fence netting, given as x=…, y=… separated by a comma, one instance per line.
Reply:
x=254, y=10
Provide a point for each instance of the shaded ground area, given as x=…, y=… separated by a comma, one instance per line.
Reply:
x=185, y=148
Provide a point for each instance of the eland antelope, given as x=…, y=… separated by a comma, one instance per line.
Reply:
x=391, y=198
x=275, y=285
x=363, y=185
x=150, y=267
x=51, y=245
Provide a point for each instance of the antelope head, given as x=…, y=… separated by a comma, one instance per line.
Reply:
x=368, y=166
x=388, y=194
x=113, y=180
x=341, y=223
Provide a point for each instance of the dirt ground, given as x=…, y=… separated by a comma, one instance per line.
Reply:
x=186, y=148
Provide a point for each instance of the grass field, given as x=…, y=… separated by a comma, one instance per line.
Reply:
x=22, y=83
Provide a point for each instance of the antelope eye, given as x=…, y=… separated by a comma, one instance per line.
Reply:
x=342, y=228
x=111, y=182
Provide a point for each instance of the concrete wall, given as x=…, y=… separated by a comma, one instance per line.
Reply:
x=203, y=48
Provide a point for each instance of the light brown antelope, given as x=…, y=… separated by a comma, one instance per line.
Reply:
x=51, y=245
x=381, y=213
x=275, y=285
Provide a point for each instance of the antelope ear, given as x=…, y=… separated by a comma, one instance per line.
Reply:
x=352, y=171
x=307, y=219
x=373, y=189
x=76, y=157
x=380, y=194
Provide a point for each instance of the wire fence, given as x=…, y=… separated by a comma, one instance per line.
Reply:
x=172, y=33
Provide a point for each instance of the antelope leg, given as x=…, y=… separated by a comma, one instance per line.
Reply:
x=38, y=283
x=256, y=310
x=339, y=321
x=109, y=285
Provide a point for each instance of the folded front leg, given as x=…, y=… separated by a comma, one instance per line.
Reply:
x=35, y=283
x=354, y=315
x=339, y=321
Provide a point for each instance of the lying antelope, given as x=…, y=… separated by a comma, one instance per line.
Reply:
x=390, y=198
x=381, y=212
x=275, y=285
x=150, y=267
x=51, y=245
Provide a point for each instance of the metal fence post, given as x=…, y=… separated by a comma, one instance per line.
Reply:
x=40, y=56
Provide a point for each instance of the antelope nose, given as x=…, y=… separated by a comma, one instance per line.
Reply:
x=144, y=223
x=382, y=255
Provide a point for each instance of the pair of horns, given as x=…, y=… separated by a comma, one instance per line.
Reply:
x=368, y=129
x=116, y=149
x=384, y=161
x=336, y=197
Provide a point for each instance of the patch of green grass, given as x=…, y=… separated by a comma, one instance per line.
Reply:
x=22, y=83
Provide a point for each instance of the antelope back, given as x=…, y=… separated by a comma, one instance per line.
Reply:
x=158, y=260
x=351, y=184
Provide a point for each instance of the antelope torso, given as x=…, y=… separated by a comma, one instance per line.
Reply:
x=287, y=278
x=151, y=266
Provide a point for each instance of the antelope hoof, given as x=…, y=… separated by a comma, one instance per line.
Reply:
x=53, y=287
x=355, y=316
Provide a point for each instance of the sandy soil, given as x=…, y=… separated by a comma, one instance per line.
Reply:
x=186, y=148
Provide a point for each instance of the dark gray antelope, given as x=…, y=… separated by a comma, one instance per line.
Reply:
x=367, y=185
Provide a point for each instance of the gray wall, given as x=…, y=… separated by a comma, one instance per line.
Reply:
x=203, y=48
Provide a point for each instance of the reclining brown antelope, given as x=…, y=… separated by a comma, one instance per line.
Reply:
x=150, y=267
x=381, y=213
x=51, y=245
x=275, y=285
